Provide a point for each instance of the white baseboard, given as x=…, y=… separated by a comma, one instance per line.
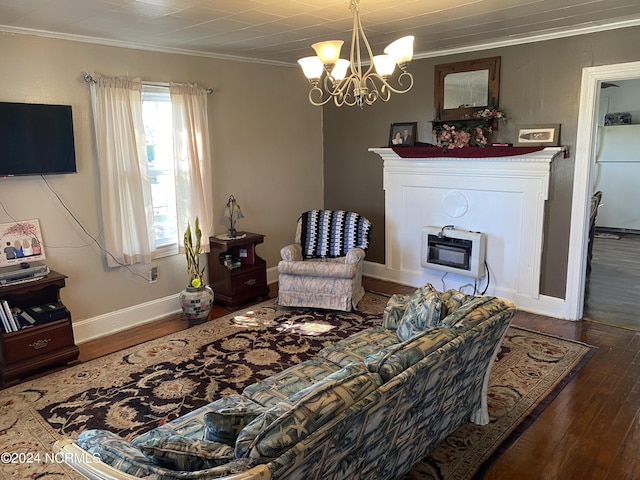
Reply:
x=113, y=322
x=272, y=275
x=543, y=305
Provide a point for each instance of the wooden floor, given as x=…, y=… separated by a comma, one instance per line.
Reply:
x=613, y=288
x=590, y=431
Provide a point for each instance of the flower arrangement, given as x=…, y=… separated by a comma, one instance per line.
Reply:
x=472, y=134
x=459, y=136
x=196, y=276
x=488, y=114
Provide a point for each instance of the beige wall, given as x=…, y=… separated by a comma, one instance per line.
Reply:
x=267, y=151
x=540, y=83
x=268, y=148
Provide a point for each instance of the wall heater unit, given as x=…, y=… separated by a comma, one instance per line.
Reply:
x=453, y=250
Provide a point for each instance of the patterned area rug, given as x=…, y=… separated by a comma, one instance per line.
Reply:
x=134, y=390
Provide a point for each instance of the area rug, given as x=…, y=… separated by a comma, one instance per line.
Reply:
x=609, y=235
x=134, y=390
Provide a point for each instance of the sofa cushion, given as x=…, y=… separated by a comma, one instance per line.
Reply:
x=122, y=455
x=330, y=269
x=395, y=359
x=452, y=300
x=281, y=385
x=475, y=311
x=397, y=305
x=114, y=450
x=190, y=425
x=424, y=311
x=229, y=415
x=297, y=417
x=185, y=454
x=394, y=311
x=358, y=346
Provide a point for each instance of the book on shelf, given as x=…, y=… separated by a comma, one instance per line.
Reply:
x=13, y=319
x=5, y=322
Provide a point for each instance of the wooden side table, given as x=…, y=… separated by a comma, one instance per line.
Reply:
x=247, y=280
x=42, y=345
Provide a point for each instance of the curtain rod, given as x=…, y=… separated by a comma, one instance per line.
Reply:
x=89, y=79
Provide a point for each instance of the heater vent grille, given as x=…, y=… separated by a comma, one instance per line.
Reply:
x=454, y=250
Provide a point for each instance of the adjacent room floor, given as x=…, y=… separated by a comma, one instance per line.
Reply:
x=613, y=288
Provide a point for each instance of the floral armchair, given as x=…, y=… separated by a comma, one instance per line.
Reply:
x=323, y=268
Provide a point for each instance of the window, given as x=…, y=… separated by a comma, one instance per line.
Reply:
x=156, y=116
x=151, y=223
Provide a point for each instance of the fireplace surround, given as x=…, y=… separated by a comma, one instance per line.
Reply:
x=501, y=196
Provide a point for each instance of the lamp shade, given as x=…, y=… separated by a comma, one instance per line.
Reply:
x=312, y=67
x=328, y=52
x=385, y=64
x=340, y=69
x=401, y=49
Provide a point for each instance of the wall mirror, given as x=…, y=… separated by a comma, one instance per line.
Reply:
x=462, y=88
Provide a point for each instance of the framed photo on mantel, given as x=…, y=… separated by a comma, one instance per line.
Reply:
x=547, y=135
x=403, y=134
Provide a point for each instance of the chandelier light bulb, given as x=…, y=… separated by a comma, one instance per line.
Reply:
x=340, y=69
x=328, y=52
x=312, y=67
x=384, y=64
x=401, y=49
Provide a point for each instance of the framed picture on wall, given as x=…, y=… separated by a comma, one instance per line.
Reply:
x=403, y=134
x=546, y=135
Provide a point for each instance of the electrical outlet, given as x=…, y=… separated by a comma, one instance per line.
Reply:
x=153, y=275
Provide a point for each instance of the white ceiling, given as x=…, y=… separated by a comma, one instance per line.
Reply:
x=281, y=31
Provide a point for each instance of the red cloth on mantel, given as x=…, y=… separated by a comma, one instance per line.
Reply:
x=466, y=152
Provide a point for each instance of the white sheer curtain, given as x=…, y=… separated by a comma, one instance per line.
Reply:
x=127, y=209
x=192, y=156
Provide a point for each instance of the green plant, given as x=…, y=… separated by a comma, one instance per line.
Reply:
x=196, y=276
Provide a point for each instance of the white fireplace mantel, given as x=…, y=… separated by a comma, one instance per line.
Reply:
x=503, y=197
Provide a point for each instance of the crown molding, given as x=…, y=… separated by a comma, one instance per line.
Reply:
x=137, y=46
x=542, y=37
x=507, y=42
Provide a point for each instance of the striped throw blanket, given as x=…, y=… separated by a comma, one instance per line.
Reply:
x=332, y=233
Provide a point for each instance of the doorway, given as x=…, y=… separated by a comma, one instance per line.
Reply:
x=584, y=175
x=612, y=287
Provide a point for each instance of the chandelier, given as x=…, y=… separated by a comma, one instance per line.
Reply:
x=361, y=86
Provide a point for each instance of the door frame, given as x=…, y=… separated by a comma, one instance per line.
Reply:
x=583, y=176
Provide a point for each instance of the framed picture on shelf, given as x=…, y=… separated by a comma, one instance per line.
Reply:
x=21, y=242
x=546, y=135
x=403, y=134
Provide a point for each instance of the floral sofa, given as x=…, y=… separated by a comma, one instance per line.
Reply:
x=367, y=407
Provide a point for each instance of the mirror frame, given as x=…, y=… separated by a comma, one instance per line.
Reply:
x=493, y=95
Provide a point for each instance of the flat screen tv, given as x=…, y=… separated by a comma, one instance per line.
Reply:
x=36, y=139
